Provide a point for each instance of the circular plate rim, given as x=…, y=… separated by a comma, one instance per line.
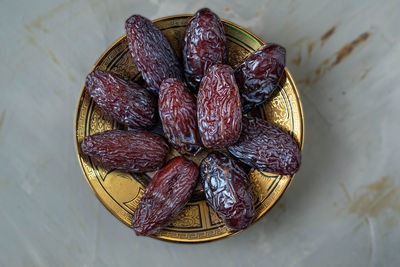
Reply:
x=227, y=234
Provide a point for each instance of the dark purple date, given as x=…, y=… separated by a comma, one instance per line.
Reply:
x=177, y=108
x=266, y=147
x=167, y=193
x=219, y=113
x=204, y=44
x=258, y=75
x=127, y=150
x=227, y=189
x=124, y=100
x=151, y=52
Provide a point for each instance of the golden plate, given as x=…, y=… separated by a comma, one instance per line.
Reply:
x=120, y=192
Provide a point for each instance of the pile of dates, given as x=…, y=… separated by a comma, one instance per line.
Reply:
x=200, y=103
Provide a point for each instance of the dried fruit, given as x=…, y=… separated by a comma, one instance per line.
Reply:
x=151, y=52
x=124, y=100
x=227, y=189
x=204, y=44
x=167, y=193
x=219, y=113
x=266, y=147
x=258, y=75
x=126, y=150
x=177, y=108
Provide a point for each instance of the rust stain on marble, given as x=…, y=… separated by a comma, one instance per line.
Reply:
x=365, y=73
x=70, y=77
x=310, y=49
x=38, y=21
x=55, y=60
x=330, y=62
x=321, y=69
x=346, y=50
x=375, y=199
x=300, y=41
x=312, y=44
x=259, y=10
x=358, y=226
x=42, y=165
x=31, y=40
x=306, y=81
x=52, y=56
x=327, y=35
x=37, y=24
x=226, y=9
x=346, y=193
x=297, y=60
x=78, y=219
x=2, y=118
x=323, y=39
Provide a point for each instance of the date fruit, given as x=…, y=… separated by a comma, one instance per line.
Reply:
x=258, y=75
x=219, y=112
x=167, y=193
x=126, y=150
x=266, y=147
x=227, y=189
x=177, y=109
x=125, y=101
x=204, y=44
x=151, y=52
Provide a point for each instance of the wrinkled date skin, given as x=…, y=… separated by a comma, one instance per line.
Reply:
x=151, y=52
x=126, y=150
x=177, y=109
x=167, y=193
x=204, y=44
x=219, y=113
x=124, y=100
x=266, y=147
x=258, y=75
x=227, y=189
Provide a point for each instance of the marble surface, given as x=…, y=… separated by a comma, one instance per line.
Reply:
x=342, y=209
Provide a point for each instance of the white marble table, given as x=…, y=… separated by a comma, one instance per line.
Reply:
x=343, y=208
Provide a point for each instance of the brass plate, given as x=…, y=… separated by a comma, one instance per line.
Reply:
x=120, y=192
